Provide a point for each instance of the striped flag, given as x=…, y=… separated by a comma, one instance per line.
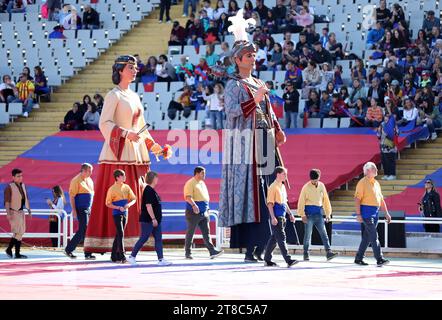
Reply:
x=148, y=82
x=277, y=105
x=390, y=130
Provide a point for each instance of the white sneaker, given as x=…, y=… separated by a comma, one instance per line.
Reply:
x=184, y=15
x=160, y=21
x=132, y=260
x=164, y=262
x=25, y=114
x=434, y=136
x=36, y=106
x=384, y=178
x=391, y=178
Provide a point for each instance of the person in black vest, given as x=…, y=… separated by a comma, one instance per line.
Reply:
x=430, y=206
x=91, y=19
x=291, y=105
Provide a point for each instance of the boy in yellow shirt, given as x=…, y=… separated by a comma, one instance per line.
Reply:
x=120, y=198
x=278, y=207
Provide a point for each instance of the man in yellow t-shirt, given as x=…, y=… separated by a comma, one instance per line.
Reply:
x=368, y=200
x=197, y=200
x=25, y=94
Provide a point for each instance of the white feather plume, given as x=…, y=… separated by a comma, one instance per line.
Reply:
x=239, y=26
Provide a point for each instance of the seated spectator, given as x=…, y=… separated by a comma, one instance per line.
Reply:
x=375, y=35
x=72, y=21
x=91, y=118
x=16, y=6
x=27, y=72
x=313, y=104
x=223, y=24
x=297, y=21
x=270, y=25
x=311, y=34
x=279, y=13
x=261, y=62
x=337, y=76
x=165, y=70
x=207, y=7
x=197, y=98
x=183, y=103
x=255, y=16
x=412, y=75
x=335, y=48
x=65, y=11
x=324, y=37
x=212, y=34
x=357, y=92
x=232, y=8
x=150, y=67
x=262, y=10
x=41, y=83
x=372, y=73
x=259, y=35
x=290, y=54
x=8, y=90
x=433, y=118
x=320, y=55
x=425, y=100
x=184, y=70
x=211, y=57
x=374, y=115
x=330, y=88
x=140, y=66
x=57, y=33
x=195, y=33
x=73, y=120
x=358, y=119
x=399, y=44
x=25, y=92
x=219, y=10
x=311, y=76
x=99, y=102
x=426, y=79
x=86, y=101
x=376, y=91
x=302, y=42
x=325, y=105
x=248, y=9
x=410, y=113
x=430, y=21
x=276, y=57
x=383, y=14
x=435, y=35
x=358, y=71
x=408, y=90
x=204, y=19
x=327, y=76
x=201, y=72
x=343, y=92
x=394, y=93
x=293, y=74
x=91, y=18
x=338, y=107
x=390, y=107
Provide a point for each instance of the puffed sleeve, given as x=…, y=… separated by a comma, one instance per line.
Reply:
x=233, y=106
x=107, y=124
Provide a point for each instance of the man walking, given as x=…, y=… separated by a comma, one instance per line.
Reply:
x=197, y=212
x=313, y=200
x=81, y=192
x=368, y=200
x=16, y=200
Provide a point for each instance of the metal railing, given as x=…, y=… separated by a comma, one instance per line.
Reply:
x=61, y=234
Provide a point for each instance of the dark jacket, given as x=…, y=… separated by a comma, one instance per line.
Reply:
x=431, y=204
x=291, y=101
x=91, y=18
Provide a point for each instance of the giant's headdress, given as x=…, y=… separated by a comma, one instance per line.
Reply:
x=119, y=65
x=242, y=44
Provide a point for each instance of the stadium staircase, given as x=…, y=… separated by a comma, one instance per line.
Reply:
x=414, y=165
x=147, y=38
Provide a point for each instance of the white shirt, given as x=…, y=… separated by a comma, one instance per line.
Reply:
x=214, y=102
x=209, y=11
x=411, y=114
x=218, y=12
x=260, y=55
x=59, y=205
x=70, y=22
x=4, y=86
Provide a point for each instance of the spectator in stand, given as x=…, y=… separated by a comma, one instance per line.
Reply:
x=211, y=57
x=397, y=15
x=219, y=10
x=165, y=70
x=410, y=113
x=192, y=3
x=320, y=55
x=394, y=93
x=91, y=118
x=41, y=83
x=53, y=6
x=330, y=88
x=279, y=13
x=388, y=152
x=248, y=9
x=72, y=21
x=430, y=21
x=398, y=43
x=325, y=105
x=433, y=118
x=195, y=33
x=262, y=10
x=383, y=14
x=430, y=206
x=324, y=37
x=216, y=106
x=26, y=71
x=223, y=24
x=260, y=36
x=261, y=62
x=374, y=115
x=358, y=71
x=65, y=11
x=25, y=92
x=290, y=54
x=165, y=7
x=201, y=70
x=311, y=76
x=197, y=98
x=408, y=90
x=150, y=66
x=373, y=73
x=422, y=38
x=337, y=76
x=140, y=67
x=232, y=8
x=426, y=79
x=412, y=75
x=183, y=103
x=327, y=75
x=312, y=104
x=291, y=105
x=386, y=43
x=99, y=102
x=334, y=47
x=357, y=92
x=293, y=74
x=205, y=21
x=270, y=25
x=359, y=113
x=305, y=56
x=225, y=51
x=338, y=107
x=435, y=35
x=276, y=58
x=8, y=89
x=375, y=35
x=57, y=33
x=390, y=107
x=376, y=91
x=297, y=21
x=86, y=100
x=212, y=32
x=16, y=6
x=58, y=203
x=91, y=19
x=312, y=35
x=207, y=7
x=184, y=69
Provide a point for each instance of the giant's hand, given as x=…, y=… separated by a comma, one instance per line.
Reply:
x=280, y=138
x=133, y=136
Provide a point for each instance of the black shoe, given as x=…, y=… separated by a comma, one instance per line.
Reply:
x=216, y=254
x=89, y=257
x=270, y=264
x=331, y=255
x=361, y=262
x=382, y=262
x=306, y=257
x=189, y=257
x=9, y=253
x=258, y=256
x=20, y=256
x=70, y=255
x=250, y=260
x=292, y=263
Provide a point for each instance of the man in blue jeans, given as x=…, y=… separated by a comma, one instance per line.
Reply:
x=81, y=193
x=368, y=200
x=291, y=105
x=313, y=200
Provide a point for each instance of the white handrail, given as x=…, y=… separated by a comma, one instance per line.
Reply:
x=61, y=234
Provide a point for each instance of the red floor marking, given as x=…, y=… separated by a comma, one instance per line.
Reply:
x=403, y=274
